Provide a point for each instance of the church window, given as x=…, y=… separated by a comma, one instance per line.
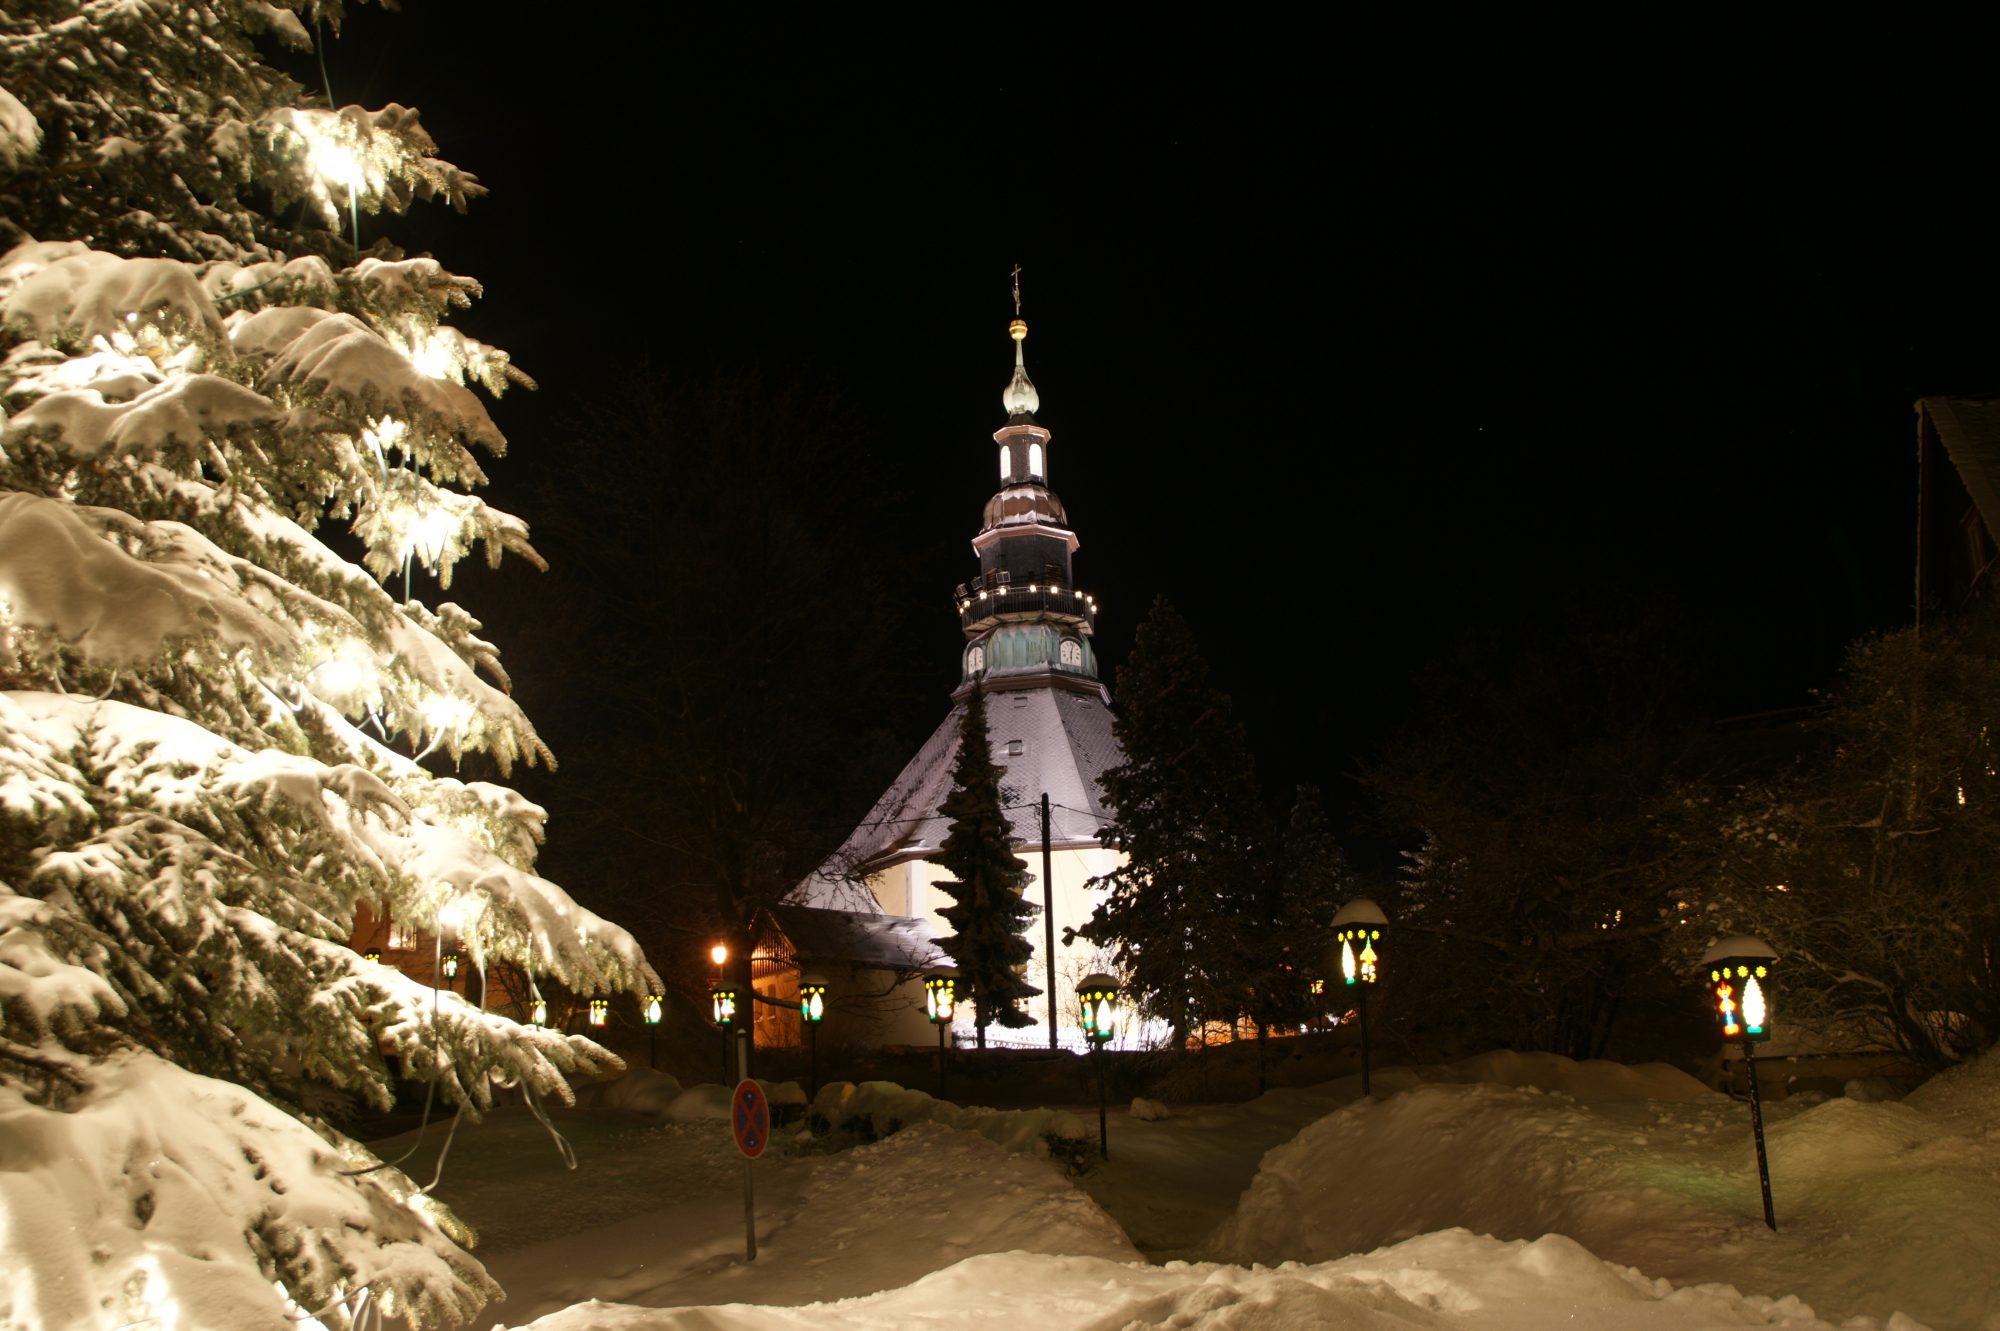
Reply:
x=975, y=660
x=1072, y=652
x=1034, y=459
x=1004, y=468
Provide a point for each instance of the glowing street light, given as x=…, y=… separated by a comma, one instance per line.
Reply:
x=1097, y=995
x=538, y=1012
x=719, y=953
x=939, y=1004
x=1358, y=928
x=1739, y=989
x=722, y=1010
x=650, y=1013
x=812, y=1011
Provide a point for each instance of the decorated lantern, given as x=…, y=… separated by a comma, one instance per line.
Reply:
x=722, y=1002
x=654, y=1006
x=600, y=1011
x=1739, y=986
x=1358, y=929
x=538, y=1012
x=812, y=999
x=1098, y=997
x=451, y=965
x=938, y=987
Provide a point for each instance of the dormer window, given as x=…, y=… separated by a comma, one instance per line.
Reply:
x=1035, y=460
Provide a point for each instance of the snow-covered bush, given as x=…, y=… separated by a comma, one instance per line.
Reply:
x=213, y=724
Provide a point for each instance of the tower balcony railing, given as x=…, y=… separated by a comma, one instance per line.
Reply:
x=991, y=596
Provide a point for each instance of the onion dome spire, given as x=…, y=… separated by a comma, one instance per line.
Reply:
x=1020, y=399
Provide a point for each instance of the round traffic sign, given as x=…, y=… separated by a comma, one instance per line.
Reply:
x=750, y=1118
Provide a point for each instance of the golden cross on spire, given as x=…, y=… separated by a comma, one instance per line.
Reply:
x=1017, y=291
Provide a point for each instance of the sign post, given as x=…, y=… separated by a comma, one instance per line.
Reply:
x=750, y=1120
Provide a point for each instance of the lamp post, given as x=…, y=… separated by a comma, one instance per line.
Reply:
x=938, y=1006
x=812, y=1011
x=1098, y=996
x=654, y=1009
x=722, y=1007
x=1739, y=988
x=1358, y=928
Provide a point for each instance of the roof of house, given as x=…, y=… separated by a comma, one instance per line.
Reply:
x=892, y=942
x=1969, y=428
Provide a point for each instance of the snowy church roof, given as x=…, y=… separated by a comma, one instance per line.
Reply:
x=1051, y=740
x=891, y=942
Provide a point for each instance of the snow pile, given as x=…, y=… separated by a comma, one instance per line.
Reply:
x=655, y=1214
x=887, y=1107
x=1881, y=1207
x=1148, y=1111
x=640, y=1091
x=1448, y=1280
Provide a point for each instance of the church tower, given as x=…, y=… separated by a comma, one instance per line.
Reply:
x=1028, y=637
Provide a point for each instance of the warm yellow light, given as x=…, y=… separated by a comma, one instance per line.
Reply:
x=539, y=1013
x=1753, y=1005
x=719, y=953
x=1018, y=330
x=1347, y=964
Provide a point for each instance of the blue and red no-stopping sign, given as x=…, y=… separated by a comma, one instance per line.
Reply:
x=750, y=1118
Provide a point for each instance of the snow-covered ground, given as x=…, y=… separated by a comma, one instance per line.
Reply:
x=1506, y=1191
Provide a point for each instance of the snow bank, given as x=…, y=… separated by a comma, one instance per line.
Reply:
x=1447, y=1280
x=1882, y=1208
x=889, y=1107
x=1592, y=1082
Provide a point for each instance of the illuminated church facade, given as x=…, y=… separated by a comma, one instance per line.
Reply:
x=1028, y=638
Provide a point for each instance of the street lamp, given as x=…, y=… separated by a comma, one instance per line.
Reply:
x=600, y=1011
x=812, y=1011
x=938, y=1006
x=1098, y=996
x=1358, y=928
x=1739, y=988
x=538, y=1012
x=654, y=1008
x=451, y=965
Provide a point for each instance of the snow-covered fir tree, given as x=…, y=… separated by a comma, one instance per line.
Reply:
x=213, y=725
x=988, y=915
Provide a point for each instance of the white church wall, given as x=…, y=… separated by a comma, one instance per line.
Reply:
x=910, y=889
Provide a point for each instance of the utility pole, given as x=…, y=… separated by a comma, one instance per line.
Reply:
x=1048, y=923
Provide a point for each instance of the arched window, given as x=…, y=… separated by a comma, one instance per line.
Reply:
x=1004, y=468
x=1035, y=460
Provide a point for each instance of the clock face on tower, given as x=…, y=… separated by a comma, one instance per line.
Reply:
x=1071, y=653
x=975, y=660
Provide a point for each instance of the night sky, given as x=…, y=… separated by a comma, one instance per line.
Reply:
x=1346, y=358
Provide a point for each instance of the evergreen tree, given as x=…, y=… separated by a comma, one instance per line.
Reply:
x=1313, y=881
x=987, y=910
x=1182, y=913
x=199, y=371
